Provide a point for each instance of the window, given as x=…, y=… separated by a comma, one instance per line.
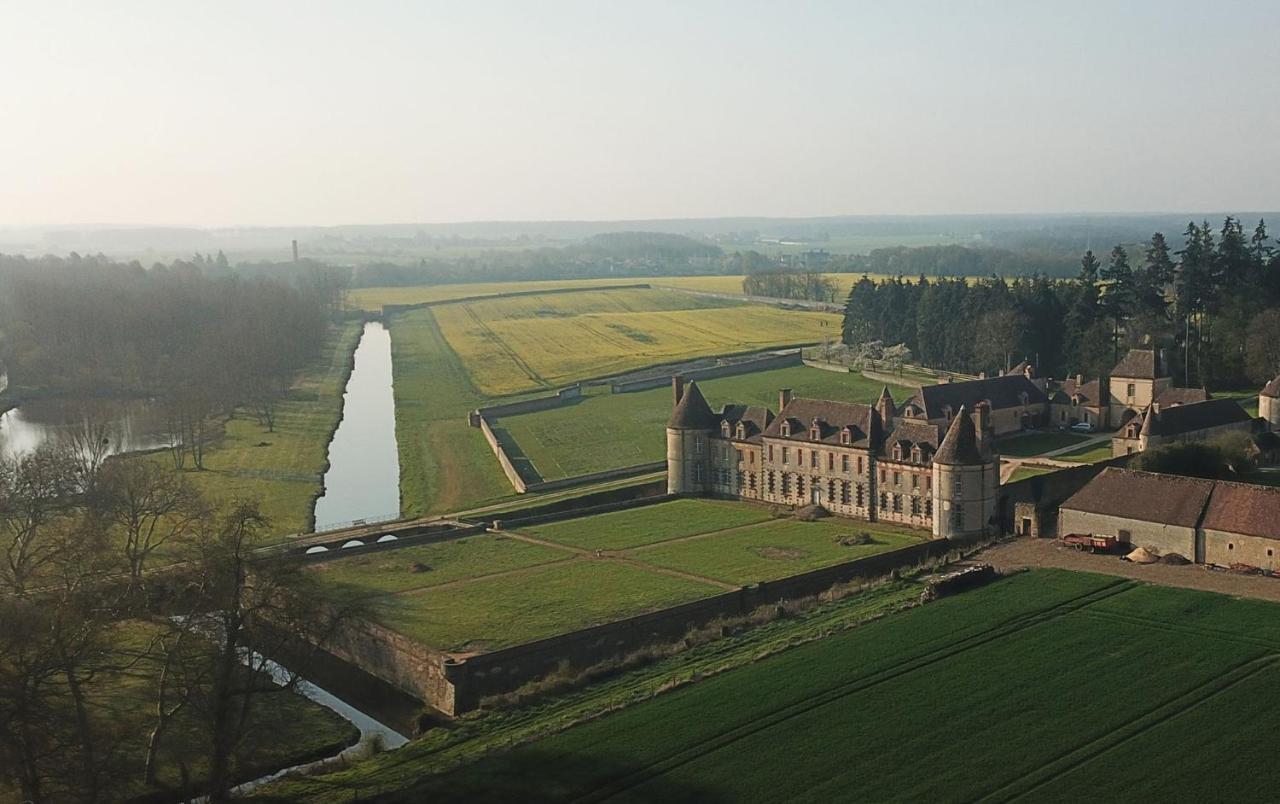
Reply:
x=770, y=453
x=846, y=436
x=845, y=495
x=897, y=503
x=770, y=480
x=831, y=461
x=915, y=506
x=884, y=501
x=882, y=475
x=786, y=484
x=844, y=463
x=915, y=481
x=738, y=452
x=751, y=483
x=1129, y=390
x=1230, y=546
x=799, y=485
x=928, y=507
x=799, y=456
x=831, y=490
x=957, y=485
x=741, y=478
x=1268, y=551
x=751, y=458
x=1124, y=536
x=724, y=429
x=697, y=474
x=815, y=433
x=928, y=482
x=813, y=459
x=859, y=464
x=859, y=497
x=697, y=446
x=786, y=455
x=897, y=478
x=742, y=430
x=957, y=516
x=786, y=429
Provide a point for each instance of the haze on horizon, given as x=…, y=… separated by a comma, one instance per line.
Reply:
x=278, y=113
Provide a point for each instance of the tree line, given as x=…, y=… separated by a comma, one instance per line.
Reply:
x=1213, y=306
x=89, y=553
x=194, y=336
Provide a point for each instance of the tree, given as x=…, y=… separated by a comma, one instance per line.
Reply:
x=1263, y=347
x=35, y=491
x=1118, y=294
x=998, y=337
x=148, y=506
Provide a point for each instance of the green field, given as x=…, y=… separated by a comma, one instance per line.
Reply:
x=1088, y=454
x=1024, y=472
x=282, y=469
x=1049, y=685
x=527, y=343
x=1031, y=444
x=607, y=431
x=491, y=591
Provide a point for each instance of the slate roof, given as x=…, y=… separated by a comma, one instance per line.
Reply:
x=1144, y=496
x=1245, y=509
x=960, y=446
x=692, y=411
x=1181, y=419
x=754, y=419
x=916, y=432
x=1182, y=396
x=1001, y=392
x=1092, y=392
x=1272, y=389
x=1139, y=364
x=832, y=417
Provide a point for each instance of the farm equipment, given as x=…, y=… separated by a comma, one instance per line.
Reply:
x=1090, y=542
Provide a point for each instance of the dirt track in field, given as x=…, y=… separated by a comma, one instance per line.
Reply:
x=1026, y=552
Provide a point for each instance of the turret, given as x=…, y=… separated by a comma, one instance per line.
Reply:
x=1269, y=404
x=966, y=478
x=688, y=448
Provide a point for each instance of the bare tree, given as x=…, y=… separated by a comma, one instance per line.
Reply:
x=34, y=490
x=93, y=435
x=149, y=507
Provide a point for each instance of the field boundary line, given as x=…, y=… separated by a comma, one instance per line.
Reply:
x=618, y=558
x=1210, y=633
x=1132, y=729
x=853, y=687
x=420, y=590
x=505, y=348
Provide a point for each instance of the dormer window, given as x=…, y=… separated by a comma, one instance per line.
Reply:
x=815, y=431
x=917, y=454
x=742, y=431
x=897, y=452
x=846, y=435
x=785, y=429
x=724, y=429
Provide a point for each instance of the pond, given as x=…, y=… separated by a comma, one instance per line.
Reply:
x=363, y=480
x=132, y=424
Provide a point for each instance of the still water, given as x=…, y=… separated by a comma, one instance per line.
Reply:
x=363, y=481
x=133, y=424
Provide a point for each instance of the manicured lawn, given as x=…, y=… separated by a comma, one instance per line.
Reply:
x=1092, y=454
x=546, y=600
x=526, y=343
x=774, y=549
x=1024, y=472
x=283, y=469
x=1014, y=668
x=606, y=431
x=1025, y=446
x=426, y=565
x=648, y=524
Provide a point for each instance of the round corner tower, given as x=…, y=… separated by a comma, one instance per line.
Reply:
x=1269, y=404
x=966, y=480
x=688, y=447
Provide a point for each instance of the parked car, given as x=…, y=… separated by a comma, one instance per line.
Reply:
x=1082, y=427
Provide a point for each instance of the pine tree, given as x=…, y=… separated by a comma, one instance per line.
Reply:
x=1160, y=268
x=1118, y=295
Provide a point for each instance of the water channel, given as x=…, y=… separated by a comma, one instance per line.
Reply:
x=363, y=479
x=133, y=423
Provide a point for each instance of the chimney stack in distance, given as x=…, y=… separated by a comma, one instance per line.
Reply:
x=295, y=250
x=784, y=398
x=677, y=389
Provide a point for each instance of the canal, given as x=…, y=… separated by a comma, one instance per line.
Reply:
x=363, y=478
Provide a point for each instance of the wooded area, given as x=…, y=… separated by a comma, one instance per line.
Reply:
x=1213, y=305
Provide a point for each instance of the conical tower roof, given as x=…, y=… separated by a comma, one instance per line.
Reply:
x=1272, y=389
x=960, y=446
x=692, y=411
x=1150, y=426
x=885, y=396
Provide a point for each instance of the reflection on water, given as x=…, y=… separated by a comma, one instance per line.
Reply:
x=133, y=425
x=363, y=481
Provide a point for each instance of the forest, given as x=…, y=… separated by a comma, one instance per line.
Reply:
x=1213, y=306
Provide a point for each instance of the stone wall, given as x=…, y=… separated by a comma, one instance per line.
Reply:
x=1225, y=548
x=1046, y=492
x=456, y=685
x=392, y=309
x=766, y=362
x=1154, y=536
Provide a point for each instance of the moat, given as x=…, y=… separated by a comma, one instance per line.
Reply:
x=363, y=479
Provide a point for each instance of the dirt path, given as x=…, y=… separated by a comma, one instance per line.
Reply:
x=1021, y=553
x=621, y=557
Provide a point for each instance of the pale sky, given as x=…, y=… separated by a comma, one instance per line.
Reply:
x=266, y=113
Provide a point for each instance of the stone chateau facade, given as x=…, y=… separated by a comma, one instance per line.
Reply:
x=861, y=461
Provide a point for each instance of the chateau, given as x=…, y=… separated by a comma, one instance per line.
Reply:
x=855, y=460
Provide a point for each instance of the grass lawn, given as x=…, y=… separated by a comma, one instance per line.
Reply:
x=536, y=342
x=487, y=614
x=1024, y=472
x=648, y=524
x=1031, y=444
x=1191, y=696
x=402, y=569
x=444, y=464
x=283, y=469
x=774, y=549
x=1088, y=454
x=606, y=431
x=285, y=728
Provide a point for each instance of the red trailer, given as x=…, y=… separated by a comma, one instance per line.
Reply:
x=1090, y=542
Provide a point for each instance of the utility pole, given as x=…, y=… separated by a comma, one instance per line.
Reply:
x=295, y=250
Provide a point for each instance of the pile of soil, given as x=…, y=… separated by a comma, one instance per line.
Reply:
x=419, y=567
x=1143, y=556
x=1174, y=558
x=812, y=512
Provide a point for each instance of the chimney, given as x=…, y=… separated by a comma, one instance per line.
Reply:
x=982, y=375
x=1028, y=371
x=295, y=251
x=1155, y=408
x=677, y=389
x=1079, y=381
x=784, y=398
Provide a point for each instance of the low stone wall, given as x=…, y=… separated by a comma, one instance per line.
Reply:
x=766, y=362
x=588, y=503
x=455, y=685
x=508, y=468
x=560, y=398
x=520, y=520
x=1044, y=493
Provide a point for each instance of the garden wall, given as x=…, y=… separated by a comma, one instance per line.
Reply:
x=765, y=362
x=455, y=685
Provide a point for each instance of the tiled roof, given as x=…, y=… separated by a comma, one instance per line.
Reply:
x=1245, y=509
x=1182, y=396
x=1139, y=364
x=692, y=411
x=1092, y=392
x=1181, y=419
x=1144, y=496
x=916, y=432
x=1001, y=392
x=754, y=419
x=960, y=446
x=831, y=418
